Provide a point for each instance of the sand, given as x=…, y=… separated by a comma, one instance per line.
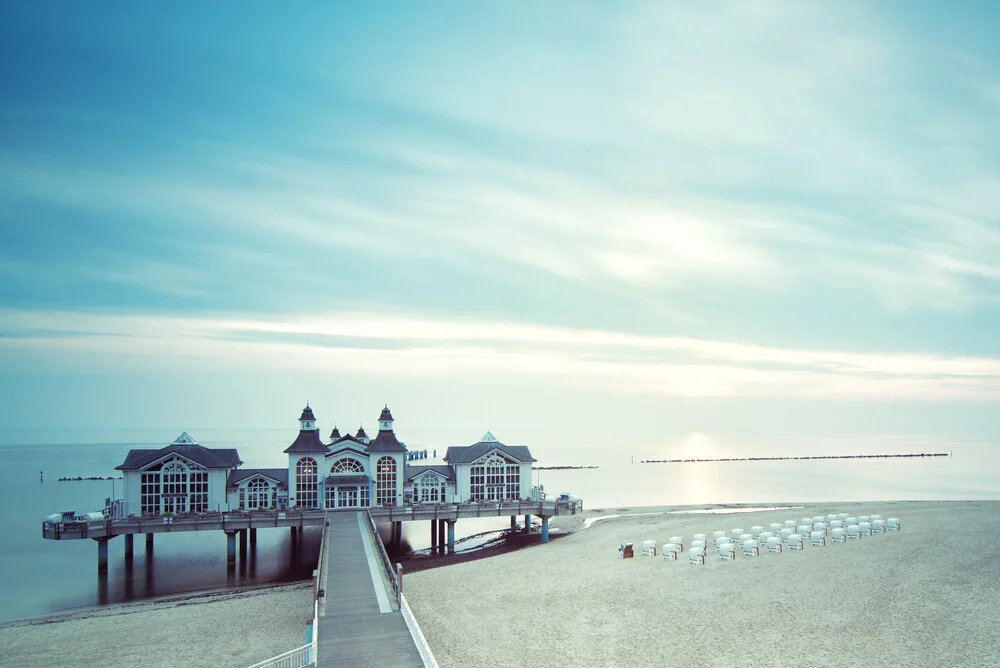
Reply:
x=927, y=596
x=234, y=628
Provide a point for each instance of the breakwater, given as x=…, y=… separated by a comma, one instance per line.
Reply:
x=780, y=459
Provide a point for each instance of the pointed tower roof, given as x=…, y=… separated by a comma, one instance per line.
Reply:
x=335, y=434
x=307, y=413
x=361, y=433
x=386, y=414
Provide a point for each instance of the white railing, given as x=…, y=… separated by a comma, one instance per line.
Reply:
x=296, y=658
x=418, y=636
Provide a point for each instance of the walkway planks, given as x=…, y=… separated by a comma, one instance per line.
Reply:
x=352, y=631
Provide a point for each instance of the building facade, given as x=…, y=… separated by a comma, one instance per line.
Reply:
x=347, y=472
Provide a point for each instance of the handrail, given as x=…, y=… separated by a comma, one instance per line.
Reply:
x=397, y=585
x=300, y=657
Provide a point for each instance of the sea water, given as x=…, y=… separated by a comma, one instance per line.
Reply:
x=41, y=577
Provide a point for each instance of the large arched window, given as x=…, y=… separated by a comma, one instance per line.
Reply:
x=347, y=465
x=260, y=494
x=174, y=480
x=493, y=478
x=385, y=481
x=305, y=482
x=175, y=486
x=430, y=489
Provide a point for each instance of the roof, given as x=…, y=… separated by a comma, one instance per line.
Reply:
x=307, y=413
x=411, y=472
x=361, y=433
x=211, y=458
x=239, y=475
x=338, y=480
x=466, y=454
x=335, y=434
x=346, y=445
x=307, y=441
x=386, y=415
x=386, y=442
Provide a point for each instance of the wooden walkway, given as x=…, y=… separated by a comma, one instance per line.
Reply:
x=359, y=621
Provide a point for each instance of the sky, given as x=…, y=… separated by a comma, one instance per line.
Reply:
x=571, y=223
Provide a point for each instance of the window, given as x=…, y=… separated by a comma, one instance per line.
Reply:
x=429, y=489
x=347, y=465
x=385, y=481
x=259, y=495
x=494, y=479
x=199, y=491
x=305, y=482
x=150, y=496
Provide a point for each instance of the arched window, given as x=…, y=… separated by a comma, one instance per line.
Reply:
x=430, y=489
x=493, y=478
x=347, y=465
x=385, y=481
x=174, y=480
x=306, y=474
x=260, y=494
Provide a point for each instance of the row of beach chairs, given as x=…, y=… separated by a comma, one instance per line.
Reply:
x=791, y=535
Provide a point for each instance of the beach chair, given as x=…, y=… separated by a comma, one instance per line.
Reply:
x=756, y=530
x=863, y=518
x=807, y=520
x=625, y=551
x=785, y=533
x=649, y=548
x=751, y=548
x=850, y=520
x=832, y=517
x=718, y=534
x=865, y=528
x=727, y=552
x=836, y=524
x=697, y=547
x=679, y=540
x=838, y=536
x=670, y=551
x=773, y=544
x=817, y=539
x=804, y=530
x=697, y=558
x=698, y=536
x=821, y=526
x=878, y=526
x=795, y=542
x=842, y=517
x=872, y=518
x=790, y=524
x=893, y=524
x=719, y=542
x=764, y=536
x=736, y=535
x=775, y=528
x=818, y=518
x=853, y=532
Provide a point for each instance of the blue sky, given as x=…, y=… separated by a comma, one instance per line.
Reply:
x=565, y=222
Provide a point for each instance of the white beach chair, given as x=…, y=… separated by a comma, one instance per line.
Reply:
x=719, y=542
x=727, y=551
x=821, y=526
x=698, y=536
x=756, y=530
x=790, y=524
x=649, y=548
x=751, y=548
x=838, y=536
x=716, y=535
x=832, y=517
x=853, y=533
x=774, y=544
x=863, y=518
x=775, y=528
x=872, y=518
x=795, y=542
x=697, y=547
x=878, y=526
x=697, y=558
x=893, y=524
x=818, y=518
x=679, y=540
x=807, y=520
x=850, y=520
x=836, y=524
x=865, y=528
x=785, y=533
x=764, y=536
x=804, y=530
x=670, y=551
x=842, y=517
x=817, y=539
x=736, y=535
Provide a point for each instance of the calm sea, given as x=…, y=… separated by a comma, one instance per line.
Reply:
x=42, y=577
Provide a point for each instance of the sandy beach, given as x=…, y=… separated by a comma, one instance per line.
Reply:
x=927, y=596
x=233, y=629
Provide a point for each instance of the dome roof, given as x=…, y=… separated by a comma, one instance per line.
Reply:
x=386, y=415
x=335, y=433
x=307, y=413
x=361, y=433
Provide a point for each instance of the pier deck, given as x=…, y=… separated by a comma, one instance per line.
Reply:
x=359, y=621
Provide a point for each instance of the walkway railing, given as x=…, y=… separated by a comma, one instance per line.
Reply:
x=393, y=574
x=296, y=658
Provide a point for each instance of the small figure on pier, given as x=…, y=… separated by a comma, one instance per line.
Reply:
x=41, y=476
